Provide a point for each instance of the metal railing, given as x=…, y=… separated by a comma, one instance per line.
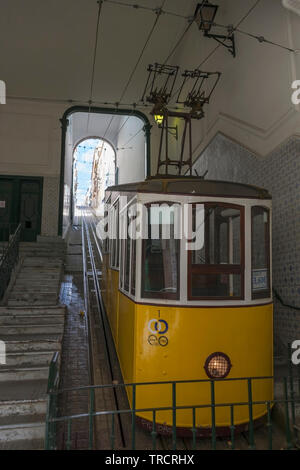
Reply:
x=53, y=382
x=288, y=402
x=7, y=230
x=9, y=258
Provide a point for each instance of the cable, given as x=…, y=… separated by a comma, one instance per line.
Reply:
x=124, y=123
x=178, y=42
x=169, y=56
x=142, y=7
x=76, y=101
x=131, y=138
x=100, y=3
x=219, y=45
x=277, y=296
x=247, y=14
x=261, y=39
x=158, y=14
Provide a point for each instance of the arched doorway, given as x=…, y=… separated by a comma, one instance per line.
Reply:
x=127, y=130
x=94, y=169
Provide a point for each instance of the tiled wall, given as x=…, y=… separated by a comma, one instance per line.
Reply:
x=279, y=172
x=50, y=206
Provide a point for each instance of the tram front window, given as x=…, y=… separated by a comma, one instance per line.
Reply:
x=215, y=266
x=161, y=250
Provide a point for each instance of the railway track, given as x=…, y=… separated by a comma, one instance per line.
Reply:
x=103, y=362
x=115, y=432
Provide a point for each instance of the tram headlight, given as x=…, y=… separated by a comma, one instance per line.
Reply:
x=217, y=365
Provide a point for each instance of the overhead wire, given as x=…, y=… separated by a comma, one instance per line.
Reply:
x=142, y=7
x=100, y=3
x=158, y=13
x=260, y=38
x=186, y=29
x=219, y=45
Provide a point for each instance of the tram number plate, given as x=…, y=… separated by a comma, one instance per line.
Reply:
x=2, y=204
x=259, y=279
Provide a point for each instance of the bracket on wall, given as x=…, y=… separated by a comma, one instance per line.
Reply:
x=226, y=41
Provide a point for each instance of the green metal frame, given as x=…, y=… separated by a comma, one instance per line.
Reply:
x=64, y=125
x=288, y=401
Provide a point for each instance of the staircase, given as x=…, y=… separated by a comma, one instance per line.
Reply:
x=31, y=326
x=44, y=247
x=31, y=335
x=37, y=282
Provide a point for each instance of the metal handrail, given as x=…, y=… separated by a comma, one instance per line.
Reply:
x=289, y=401
x=51, y=414
x=9, y=259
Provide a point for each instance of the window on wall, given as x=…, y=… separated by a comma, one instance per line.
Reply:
x=260, y=217
x=114, y=237
x=216, y=261
x=161, y=254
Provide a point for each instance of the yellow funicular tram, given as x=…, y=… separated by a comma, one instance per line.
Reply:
x=187, y=290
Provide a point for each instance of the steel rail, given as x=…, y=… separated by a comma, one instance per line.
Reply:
x=87, y=308
x=102, y=317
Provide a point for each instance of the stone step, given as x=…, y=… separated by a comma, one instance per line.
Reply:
x=32, y=343
x=34, y=292
x=33, y=429
x=55, y=310
x=23, y=407
x=28, y=391
x=43, y=247
x=38, y=276
x=36, y=302
x=28, y=359
x=45, y=254
x=20, y=374
x=43, y=261
x=31, y=329
x=23, y=444
x=36, y=282
x=24, y=319
x=53, y=269
x=33, y=288
x=33, y=296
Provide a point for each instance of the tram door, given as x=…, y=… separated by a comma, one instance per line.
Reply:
x=20, y=202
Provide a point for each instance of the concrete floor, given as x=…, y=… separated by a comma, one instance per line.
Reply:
x=74, y=360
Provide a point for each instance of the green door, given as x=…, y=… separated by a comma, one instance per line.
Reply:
x=30, y=215
x=20, y=201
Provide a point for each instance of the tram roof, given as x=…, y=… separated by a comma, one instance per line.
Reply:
x=187, y=185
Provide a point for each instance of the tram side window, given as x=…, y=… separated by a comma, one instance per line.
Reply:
x=260, y=252
x=115, y=242
x=128, y=253
x=106, y=227
x=161, y=252
x=216, y=263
